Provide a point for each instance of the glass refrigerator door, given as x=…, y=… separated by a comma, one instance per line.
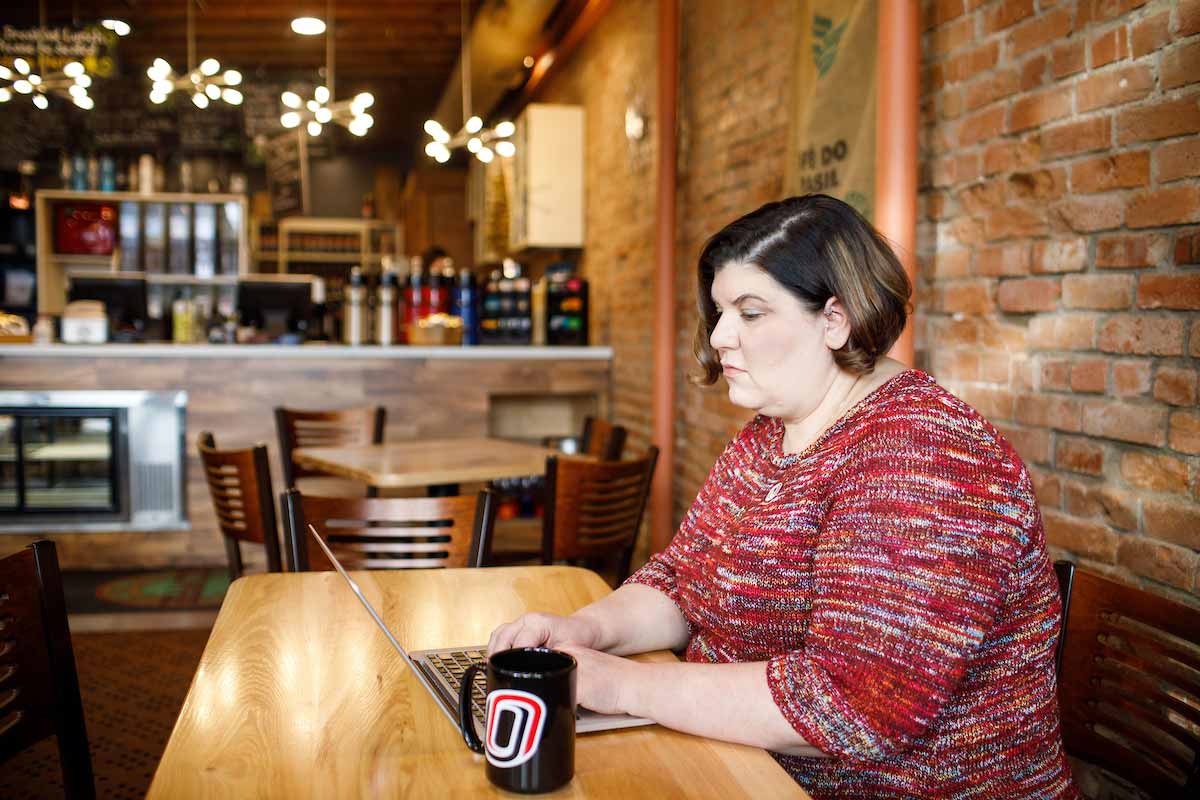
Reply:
x=58, y=461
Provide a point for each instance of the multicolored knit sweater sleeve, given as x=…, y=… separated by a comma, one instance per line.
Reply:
x=894, y=578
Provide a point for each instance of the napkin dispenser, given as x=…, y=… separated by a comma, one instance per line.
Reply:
x=84, y=322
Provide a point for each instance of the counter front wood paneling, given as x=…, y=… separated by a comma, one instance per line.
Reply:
x=233, y=396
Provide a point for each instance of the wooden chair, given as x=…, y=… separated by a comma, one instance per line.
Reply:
x=39, y=687
x=345, y=427
x=602, y=439
x=594, y=509
x=1065, y=572
x=389, y=533
x=239, y=482
x=1128, y=690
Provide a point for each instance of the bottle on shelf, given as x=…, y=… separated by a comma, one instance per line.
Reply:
x=356, y=297
x=464, y=306
x=386, y=311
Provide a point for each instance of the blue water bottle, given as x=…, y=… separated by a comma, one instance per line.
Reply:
x=464, y=306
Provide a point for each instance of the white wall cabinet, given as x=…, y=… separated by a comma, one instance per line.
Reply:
x=546, y=208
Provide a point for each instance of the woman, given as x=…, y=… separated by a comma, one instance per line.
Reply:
x=862, y=585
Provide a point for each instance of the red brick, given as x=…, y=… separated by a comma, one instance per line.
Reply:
x=1116, y=419
x=1050, y=411
x=1031, y=110
x=1087, y=214
x=1159, y=120
x=1149, y=34
x=1031, y=444
x=1151, y=470
x=1033, y=73
x=1131, y=378
x=1014, y=221
x=951, y=36
x=999, y=335
x=995, y=367
x=1047, y=487
x=956, y=365
x=951, y=263
x=1114, y=87
x=1177, y=292
x=1005, y=156
x=981, y=198
x=1184, y=434
x=1083, y=538
x=1173, y=566
x=981, y=126
x=1187, y=248
x=1125, y=251
x=1105, y=292
x=1127, y=170
x=968, y=64
x=1006, y=13
x=1173, y=521
x=989, y=88
x=1194, y=347
x=967, y=297
x=1059, y=255
x=1042, y=184
x=1116, y=507
x=1067, y=58
x=1142, y=334
x=1180, y=65
x=1077, y=454
x=967, y=231
x=1110, y=46
x=1039, y=31
x=1175, y=160
x=1003, y=259
x=1089, y=375
x=1073, y=138
x=950, y=103
x=1054, y=374
x=1026, y=295
x=992, y=403
x=1104, y=10
x=1063, y=332
x=1188, y=21
x=1176, y=387
x=941, y=11
x=1174, y=205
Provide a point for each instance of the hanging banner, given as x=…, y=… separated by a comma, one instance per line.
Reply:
x=48, y=49
x=831, y=142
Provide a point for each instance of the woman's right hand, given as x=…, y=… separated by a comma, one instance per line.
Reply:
x=545, y=630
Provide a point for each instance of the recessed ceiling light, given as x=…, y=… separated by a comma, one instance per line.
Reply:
x=308, y=26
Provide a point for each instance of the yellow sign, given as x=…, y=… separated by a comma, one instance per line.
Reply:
x=831, y=144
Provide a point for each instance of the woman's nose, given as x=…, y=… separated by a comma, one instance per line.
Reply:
x=723, y=336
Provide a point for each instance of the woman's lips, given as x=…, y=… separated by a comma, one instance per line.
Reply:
x=728, y=369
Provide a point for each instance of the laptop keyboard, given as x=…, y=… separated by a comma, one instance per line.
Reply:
x=451, y=666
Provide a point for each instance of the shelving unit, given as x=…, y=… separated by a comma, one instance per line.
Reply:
x=337, y=241
x=54, y=268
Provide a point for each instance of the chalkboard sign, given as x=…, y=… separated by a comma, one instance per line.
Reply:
x=287, y=172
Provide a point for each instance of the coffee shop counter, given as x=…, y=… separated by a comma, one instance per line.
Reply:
x=429, y=392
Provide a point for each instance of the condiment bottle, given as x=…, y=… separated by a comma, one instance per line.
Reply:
x=355, y=308
x=387, y=309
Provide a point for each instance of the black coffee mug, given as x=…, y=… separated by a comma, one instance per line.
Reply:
x=529, y=734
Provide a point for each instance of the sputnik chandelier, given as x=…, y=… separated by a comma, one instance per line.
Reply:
x=205, y=82
x=322, y=109
x=484, y=143
x=71, y=83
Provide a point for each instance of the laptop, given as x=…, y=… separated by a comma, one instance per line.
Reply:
x=440, y=671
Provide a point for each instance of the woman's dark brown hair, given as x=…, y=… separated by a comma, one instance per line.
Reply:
x=817, y=247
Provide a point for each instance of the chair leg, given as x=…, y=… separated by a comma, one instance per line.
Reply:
x=234, y=554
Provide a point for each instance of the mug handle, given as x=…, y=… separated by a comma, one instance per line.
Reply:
x=466, y=720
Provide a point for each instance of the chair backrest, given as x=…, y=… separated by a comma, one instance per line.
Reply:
x=39, y=687
x=390, y=533
x=602, y=439
x=1128, y=689
x=594, y=508
x=1065, y=572
x=239, y=482
x=348, y=426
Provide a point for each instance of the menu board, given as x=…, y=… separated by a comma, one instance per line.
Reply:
x=287, y=172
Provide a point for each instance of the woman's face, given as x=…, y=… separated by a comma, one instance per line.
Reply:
x=776, y=354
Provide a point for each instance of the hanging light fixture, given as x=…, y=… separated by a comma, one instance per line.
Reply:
x=321, y=109
x=206, y=82
x=484, y=143
x=70, y=83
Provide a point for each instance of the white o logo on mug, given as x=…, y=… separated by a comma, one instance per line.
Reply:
x=525, y=733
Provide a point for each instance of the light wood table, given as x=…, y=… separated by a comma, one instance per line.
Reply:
x=298, y=694
x=428, y=461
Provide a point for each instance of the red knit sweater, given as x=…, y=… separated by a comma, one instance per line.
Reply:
x=894, y=577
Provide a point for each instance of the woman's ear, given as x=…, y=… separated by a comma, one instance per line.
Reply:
x=837, y=324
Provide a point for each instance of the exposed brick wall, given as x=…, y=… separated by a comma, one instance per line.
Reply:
x=1059, y=278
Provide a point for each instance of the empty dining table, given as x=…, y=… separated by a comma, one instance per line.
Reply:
x=299, y=694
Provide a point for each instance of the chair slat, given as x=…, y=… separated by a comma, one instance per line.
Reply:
x=239, y=485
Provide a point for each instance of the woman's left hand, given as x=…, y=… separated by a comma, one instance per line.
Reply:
x=603, y=682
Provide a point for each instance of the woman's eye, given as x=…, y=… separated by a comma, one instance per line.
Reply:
x=750, y=315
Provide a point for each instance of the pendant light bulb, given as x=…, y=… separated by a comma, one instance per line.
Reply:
x=72, y=69
x=232, y=77
x=505, y=129
x=314, y=128
x=210, y=66
x=200, y=99
x=290, y=119
x=21, y=65
x=40, y=101
x=321, y=94
x=290, y=99
x=474, y=125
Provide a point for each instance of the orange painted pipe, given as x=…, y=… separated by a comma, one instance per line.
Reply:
x=663, y=389
x=897, y=88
